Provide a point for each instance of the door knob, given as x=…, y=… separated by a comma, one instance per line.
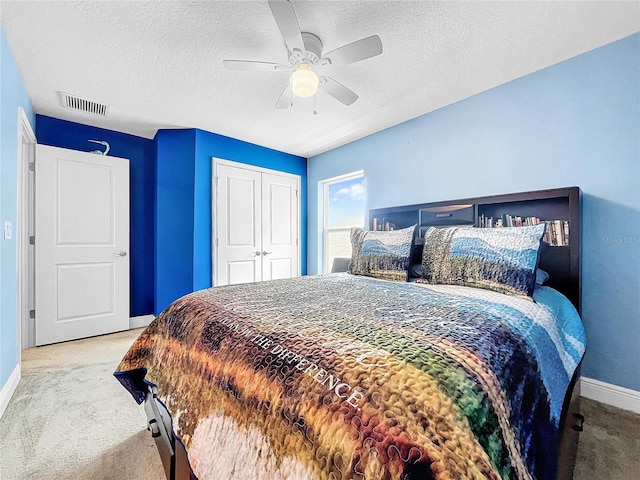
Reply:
x=266, y=253
x=121, y=253
x=256, y=253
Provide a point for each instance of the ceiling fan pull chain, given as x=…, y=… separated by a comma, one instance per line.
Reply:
x=315, y=103
x=290, y=94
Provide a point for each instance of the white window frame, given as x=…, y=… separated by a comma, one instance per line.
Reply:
x=325, y=212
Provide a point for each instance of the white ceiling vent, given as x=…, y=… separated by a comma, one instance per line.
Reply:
x=82, y=105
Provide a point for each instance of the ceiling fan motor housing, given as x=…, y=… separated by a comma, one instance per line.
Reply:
x=313, y=47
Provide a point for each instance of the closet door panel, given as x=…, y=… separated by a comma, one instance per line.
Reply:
x=279, y=227
x=238, y=226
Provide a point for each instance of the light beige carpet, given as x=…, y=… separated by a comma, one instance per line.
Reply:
x=71, y=419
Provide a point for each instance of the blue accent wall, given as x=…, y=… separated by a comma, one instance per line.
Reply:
x=171, y=201
x=174, y=215
x=142, y=171
x=183, y=220
x=574, y=123
x=213, y=145
x=13, y=95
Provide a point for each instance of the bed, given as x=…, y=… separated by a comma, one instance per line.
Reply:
x=369, y=374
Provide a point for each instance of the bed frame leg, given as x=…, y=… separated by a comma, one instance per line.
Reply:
x=571, y=425
x=172, y=452
x=159, y=424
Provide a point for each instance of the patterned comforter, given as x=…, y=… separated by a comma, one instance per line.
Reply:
x=346, y=377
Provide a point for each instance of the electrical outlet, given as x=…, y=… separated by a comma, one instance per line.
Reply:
x=8, y=230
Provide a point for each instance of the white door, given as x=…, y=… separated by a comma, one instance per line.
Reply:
x=239, y=226
x=82, y=244
x=279, y=226
x=256, y=225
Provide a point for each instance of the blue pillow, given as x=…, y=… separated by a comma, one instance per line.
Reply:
x=541, y=276
x=500, y=259
x=385, y=255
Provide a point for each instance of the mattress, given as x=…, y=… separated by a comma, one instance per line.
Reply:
x=347, y=377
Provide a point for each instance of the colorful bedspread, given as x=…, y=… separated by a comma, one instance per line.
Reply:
x=346, y=377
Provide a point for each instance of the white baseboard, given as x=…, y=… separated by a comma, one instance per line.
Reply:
x=141, y=321
x=9, y=388
x=610, y=394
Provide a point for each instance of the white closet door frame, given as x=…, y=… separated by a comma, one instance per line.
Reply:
x=214, y=208
x=26, y=226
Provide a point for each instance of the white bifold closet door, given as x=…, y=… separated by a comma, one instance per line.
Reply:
x=81, y=244
x=256, y=224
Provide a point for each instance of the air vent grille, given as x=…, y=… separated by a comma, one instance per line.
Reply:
x=82, y=105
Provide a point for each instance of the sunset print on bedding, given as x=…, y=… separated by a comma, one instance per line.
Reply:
x=340, y=376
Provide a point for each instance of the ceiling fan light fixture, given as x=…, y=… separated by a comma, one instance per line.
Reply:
x=304, y=81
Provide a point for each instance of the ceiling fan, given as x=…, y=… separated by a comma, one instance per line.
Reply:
x=305, y=55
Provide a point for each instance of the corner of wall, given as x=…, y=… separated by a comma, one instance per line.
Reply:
x=14, y=95
x=9, y=388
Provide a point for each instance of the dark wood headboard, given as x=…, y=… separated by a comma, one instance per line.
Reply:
x=560, y=205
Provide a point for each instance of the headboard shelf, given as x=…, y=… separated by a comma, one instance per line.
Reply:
x=554, y=205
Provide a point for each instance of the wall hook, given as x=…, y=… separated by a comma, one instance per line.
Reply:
x=101, y=142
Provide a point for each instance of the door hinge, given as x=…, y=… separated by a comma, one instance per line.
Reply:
x=32, y=240
x=32, y=166
x=32, y=314
x=216, y=242
x=216, y=180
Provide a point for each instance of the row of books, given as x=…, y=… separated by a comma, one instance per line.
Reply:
x=382, y=225
x=556, y=232
x=507, y=221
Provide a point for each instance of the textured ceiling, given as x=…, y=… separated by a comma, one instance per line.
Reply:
x=159, y=64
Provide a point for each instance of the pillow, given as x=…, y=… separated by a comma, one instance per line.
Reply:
x=500, y=259
x=383, y=255
x=541, y=276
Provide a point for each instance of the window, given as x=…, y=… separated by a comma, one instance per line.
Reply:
x=344, y=207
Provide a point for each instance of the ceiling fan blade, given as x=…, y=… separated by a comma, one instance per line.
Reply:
x=353, y=52
x=254, y=66
x=284, y=100
x=338, y=91
x=287, y=21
